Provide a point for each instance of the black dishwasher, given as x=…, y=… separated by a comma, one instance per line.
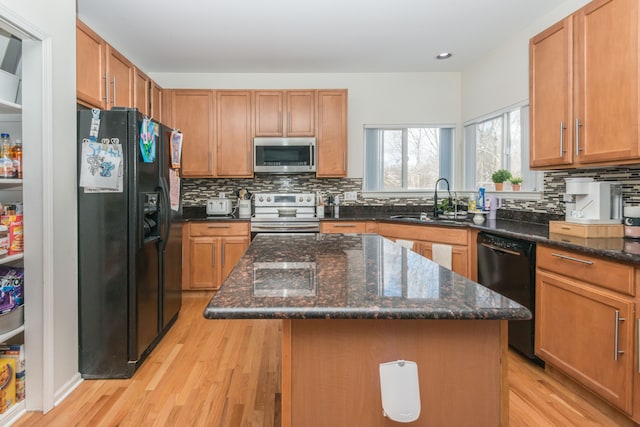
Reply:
x=508, y=266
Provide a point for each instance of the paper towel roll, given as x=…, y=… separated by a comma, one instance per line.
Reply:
x=442, y=254
x=405, y=243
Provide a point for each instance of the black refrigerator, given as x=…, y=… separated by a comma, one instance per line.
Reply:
x=129, y=240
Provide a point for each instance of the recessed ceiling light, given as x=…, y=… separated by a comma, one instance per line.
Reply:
x=444, y=55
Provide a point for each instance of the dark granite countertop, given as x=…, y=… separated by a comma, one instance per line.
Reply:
x=336, y=276
x=618, y=249
x=199, y=213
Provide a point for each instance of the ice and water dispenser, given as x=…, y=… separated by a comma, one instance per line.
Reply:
x=150, y=220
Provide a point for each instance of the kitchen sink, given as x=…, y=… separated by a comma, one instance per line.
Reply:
x=416, y=217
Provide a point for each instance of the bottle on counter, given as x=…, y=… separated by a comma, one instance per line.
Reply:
x=480, y=199
x=16, y=156
x=319, y=205
x=6, y=163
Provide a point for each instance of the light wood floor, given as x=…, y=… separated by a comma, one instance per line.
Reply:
x=226, y=373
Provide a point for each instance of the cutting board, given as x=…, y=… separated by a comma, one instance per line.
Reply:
x=586, y=230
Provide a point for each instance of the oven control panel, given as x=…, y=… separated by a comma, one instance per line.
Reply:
x=284, y=199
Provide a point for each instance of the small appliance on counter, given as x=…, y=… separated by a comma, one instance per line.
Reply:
x=632, y=222
x=244, y=203
x=595, y=202
x=219, y=206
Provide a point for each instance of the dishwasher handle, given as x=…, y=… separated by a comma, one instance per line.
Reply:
x=499, y=249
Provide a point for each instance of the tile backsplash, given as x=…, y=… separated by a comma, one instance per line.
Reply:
x=196, y=191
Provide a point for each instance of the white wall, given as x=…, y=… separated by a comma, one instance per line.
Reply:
x=501, y=78
x=394, y=98
x=57, y=20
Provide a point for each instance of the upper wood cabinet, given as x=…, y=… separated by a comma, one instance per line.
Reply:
x=584, y=90
x=90, y=67
x=165, y=107
x=284, y=113
x=551, y=109
x=234, y=134
x=155, y=103
x=141, y=94
x=104, y=77
x=331, y=133
x=192, y=111
x=120, y=76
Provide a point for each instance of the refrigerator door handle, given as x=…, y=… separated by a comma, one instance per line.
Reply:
x=165, y=211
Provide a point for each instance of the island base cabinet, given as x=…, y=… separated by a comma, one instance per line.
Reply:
x=330, y=371
x=586, y=333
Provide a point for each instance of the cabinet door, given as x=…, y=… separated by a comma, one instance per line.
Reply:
x=233, y=134
x=550, y=73
x=232, y=250
x=330, y=227
x=120, y=74
x=192, y=113
x=90, y=67
x=141, y=91
x=577, y=332
x=301, y=113
x=608, y=81
x=332, y=133
x=459, y=257
x=205, y=262
x=165, y=106
x=268, y=109
x=156, y=102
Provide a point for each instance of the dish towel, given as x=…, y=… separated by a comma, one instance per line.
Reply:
x=405, y=243
x=441, y=254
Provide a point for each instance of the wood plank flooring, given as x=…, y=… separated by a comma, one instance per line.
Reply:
x=226, y=373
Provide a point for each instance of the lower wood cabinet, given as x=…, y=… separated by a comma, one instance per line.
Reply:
x=459, y=256
x=346, y=227
x=423, y=238
x=211, y=250
x=585, y=330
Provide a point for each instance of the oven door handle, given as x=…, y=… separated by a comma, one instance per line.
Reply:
x=285, y=227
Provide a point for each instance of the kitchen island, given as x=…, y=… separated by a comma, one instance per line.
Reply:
x=351, y=302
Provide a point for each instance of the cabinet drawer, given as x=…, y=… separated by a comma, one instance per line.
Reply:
x=343, y=227
x=424, y=232
x=215, y=228
x=604, y=273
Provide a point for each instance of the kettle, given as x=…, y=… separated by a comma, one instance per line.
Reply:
x=493, y=203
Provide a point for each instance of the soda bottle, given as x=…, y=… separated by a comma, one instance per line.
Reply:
x=6, y=164
x=16, y=156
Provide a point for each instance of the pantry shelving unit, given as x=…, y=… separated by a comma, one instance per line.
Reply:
x=11, y=189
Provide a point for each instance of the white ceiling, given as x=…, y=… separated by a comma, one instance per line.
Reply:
x=300, y=36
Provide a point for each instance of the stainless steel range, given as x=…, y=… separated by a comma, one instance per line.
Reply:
x=284, y=213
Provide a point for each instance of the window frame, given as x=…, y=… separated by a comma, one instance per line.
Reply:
x=533, y=180
x=444, y=162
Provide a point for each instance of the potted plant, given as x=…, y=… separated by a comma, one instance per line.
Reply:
x=515, y=181
x=499, y=177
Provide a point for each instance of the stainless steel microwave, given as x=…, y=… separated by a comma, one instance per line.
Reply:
x=284, y=155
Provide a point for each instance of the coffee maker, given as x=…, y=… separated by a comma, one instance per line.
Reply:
x=593, y=202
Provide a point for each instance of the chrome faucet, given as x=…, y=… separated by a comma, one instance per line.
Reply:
x=435, y=196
